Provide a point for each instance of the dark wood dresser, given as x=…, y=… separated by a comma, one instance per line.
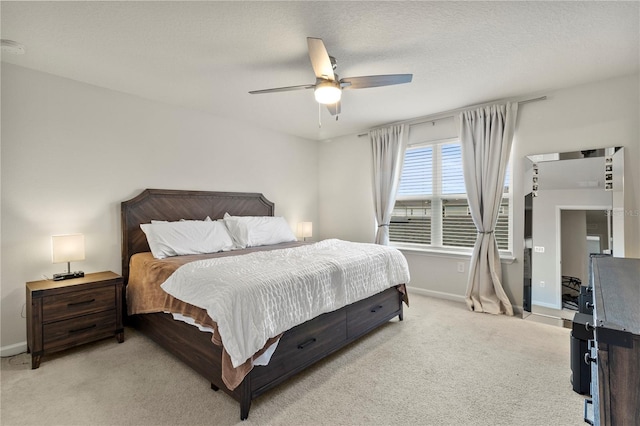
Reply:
x=63, y=314
x=615, y=350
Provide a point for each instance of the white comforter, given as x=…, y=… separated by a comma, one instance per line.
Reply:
x=259, y=295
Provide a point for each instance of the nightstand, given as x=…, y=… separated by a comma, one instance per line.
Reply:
x=64, y=314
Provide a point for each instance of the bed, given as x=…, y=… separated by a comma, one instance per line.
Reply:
x=297, y=348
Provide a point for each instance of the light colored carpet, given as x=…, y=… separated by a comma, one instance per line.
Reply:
x=442, y=365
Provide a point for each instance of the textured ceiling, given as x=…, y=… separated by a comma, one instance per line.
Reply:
x=208, y=55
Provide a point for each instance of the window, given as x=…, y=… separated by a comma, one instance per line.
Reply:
x=431, y=207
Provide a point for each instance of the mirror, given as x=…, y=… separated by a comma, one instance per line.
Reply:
x=573, y=208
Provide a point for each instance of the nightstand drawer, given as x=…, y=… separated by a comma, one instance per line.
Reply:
x=79, y=330
x=69, y=305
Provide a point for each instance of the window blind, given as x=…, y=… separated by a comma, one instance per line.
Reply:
x=411, y=222
x=452, y=174
x=434, y=174
x=417, y=172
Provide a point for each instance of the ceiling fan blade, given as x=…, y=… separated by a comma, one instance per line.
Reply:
x=374, y=81
x=283, y=89
x=334, y=109
x=320, y=60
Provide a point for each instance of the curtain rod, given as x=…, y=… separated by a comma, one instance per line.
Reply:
x=451, y=113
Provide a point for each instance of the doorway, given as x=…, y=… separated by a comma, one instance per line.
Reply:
x=583, y=232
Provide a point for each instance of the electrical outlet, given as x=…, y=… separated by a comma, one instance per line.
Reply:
x=460, y=266
x=538, y=249
x=542, y=284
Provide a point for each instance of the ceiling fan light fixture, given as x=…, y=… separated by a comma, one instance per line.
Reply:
x=327, y=93
x=328, y=86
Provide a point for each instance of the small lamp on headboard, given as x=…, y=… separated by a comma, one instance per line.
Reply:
x=305, y=230
x=67, y=248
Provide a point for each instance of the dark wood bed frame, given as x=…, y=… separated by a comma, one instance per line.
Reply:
x=298, y=348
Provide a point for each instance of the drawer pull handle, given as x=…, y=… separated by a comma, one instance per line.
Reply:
x=588, y=305
x=85, y=302
x=588, y=326
x=78, y=330
x=588, y=360
x=374, y=310
x=307, y=343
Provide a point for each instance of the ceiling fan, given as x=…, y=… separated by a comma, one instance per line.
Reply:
x=328, y=87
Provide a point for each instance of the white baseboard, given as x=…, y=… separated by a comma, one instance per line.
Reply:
x=517, y=310
x=12, y=350
x=436, y=294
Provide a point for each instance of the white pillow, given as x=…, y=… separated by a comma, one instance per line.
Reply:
x=252, y=231
x=168, y=239
x=206, y=219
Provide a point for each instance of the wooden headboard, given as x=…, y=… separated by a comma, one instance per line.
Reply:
x=171, y=204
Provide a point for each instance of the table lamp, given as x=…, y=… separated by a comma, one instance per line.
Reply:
x=305, y=230
x=67, y=248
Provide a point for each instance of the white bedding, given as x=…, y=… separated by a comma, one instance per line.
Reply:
x=259, y=295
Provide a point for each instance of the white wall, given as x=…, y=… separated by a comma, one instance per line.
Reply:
x=344, y=186
x=601, y=114
x=71, y=152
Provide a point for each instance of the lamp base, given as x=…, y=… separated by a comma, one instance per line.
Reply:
x=68, y=275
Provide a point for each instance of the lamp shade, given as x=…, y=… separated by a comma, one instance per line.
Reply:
x=327, y=93
x=67, y=248
x=305, y=229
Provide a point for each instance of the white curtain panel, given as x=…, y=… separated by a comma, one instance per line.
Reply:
x=486, y=135
x=388, y=145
